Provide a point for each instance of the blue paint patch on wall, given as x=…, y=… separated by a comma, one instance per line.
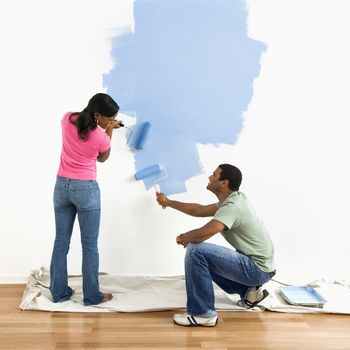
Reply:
x=189, y=69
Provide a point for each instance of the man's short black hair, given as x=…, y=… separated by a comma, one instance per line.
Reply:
x=232, y=174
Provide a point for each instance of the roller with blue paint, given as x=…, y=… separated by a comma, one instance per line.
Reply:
x=152, y=174
x=138, y=135
x=155, y=173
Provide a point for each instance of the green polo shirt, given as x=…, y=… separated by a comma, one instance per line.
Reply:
x=245, y=230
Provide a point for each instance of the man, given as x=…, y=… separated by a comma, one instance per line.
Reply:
x=243, y=270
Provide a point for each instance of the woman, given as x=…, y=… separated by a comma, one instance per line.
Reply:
x=86, y=137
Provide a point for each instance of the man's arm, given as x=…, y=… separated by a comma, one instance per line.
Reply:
x=192, y=209
x=201, y=234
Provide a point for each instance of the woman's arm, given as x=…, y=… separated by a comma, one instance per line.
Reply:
x=115, y=124
x=104, y=156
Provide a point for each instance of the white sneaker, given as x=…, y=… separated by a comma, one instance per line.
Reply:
x=253, y=297
x=193, y=321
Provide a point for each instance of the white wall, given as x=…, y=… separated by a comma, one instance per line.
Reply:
x=292, y=151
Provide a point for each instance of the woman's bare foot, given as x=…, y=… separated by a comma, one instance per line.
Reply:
x=107, y=297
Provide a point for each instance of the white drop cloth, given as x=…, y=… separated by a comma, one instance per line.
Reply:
x=155, y=293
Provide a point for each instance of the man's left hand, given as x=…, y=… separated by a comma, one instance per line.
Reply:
x=180, y=241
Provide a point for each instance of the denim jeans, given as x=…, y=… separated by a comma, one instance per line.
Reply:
x=232, y=271
x=72, y=197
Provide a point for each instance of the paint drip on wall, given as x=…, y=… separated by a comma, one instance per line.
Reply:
x=188, y=68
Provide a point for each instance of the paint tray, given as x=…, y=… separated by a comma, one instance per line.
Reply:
x=302, y=296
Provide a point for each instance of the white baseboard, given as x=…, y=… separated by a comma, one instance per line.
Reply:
x=16, y=279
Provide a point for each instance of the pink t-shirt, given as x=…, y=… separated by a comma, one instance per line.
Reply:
x=78, y=157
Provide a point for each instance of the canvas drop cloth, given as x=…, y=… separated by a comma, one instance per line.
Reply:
x=155, y=293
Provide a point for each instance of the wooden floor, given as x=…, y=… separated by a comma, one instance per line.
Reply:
x=155, y=330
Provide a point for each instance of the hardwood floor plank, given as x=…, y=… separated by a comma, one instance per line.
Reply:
x=156, y=330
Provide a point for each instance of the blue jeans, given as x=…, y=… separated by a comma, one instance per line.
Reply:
x=232, y=271
x=72, y=197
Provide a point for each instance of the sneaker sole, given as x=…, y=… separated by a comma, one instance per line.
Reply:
x=197, y=325
x=265, y=294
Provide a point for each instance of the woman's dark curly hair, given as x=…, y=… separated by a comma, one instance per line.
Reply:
x=86, y=121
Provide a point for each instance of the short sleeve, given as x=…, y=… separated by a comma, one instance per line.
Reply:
x=226, y=214
x=105, y=143
x=65, y=118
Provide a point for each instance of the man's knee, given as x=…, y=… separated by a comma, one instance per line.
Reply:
x=195, y=248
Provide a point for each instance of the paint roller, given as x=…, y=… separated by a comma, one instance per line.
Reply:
x=154, y=173
x=138, y=135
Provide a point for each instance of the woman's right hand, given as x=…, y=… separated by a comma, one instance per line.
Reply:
x=115, y=124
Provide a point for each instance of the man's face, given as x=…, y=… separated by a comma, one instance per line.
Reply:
x=214, y=183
